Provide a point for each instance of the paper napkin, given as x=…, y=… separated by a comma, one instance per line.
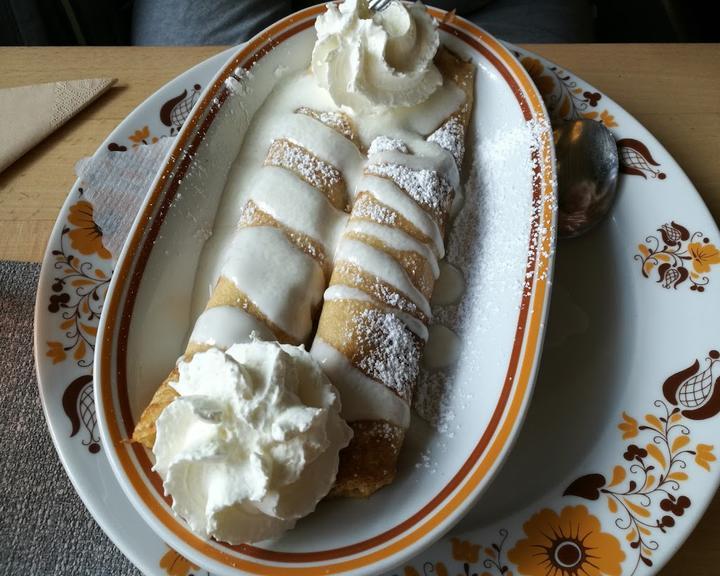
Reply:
x=29, y=113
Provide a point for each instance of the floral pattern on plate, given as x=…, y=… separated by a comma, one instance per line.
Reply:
x=679, y=257
x=175, y=564
x=172, y=114
x=645, y=494
x=78, y=291
x=484, y=551
x=566, y=98
x=77, y=296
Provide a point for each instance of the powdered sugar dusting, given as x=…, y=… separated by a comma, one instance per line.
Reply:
x=291, y=156
x=394, y=354
x=489, y=241
x=426, y=187
x=365, y=208
x=385, y=143
x=378, y=290
x=451, y=137
x=335, y=120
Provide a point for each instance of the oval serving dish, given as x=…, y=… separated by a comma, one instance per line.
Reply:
x=441, y=473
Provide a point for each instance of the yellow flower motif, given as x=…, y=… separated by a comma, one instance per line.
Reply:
x=176, y=565
x=704, y=455
x=56, y=352
x=87, y=237
x=569, y=544
x=464, y=551
x=140, y=135
x=608, y=119
x=535, y=68
x=629, y=426
x=703, y=256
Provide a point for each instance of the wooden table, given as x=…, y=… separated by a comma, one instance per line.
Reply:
x=674, y=90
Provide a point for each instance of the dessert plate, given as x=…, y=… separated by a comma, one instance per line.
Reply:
x=621, y=324
x=141, y=331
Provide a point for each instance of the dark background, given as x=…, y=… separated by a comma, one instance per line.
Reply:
x=106, y=22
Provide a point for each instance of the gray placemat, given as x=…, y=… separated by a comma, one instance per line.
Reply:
x=44, y=527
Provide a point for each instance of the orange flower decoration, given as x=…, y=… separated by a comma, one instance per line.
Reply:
x=176, y=565
x=629, y=426
x=464, y=551
x=56, y=352
x=704, y=455
x=140, y=135
x=571, y=544
x=703, y=256
x=87, y=237
x=608, y=119
x=535, y=68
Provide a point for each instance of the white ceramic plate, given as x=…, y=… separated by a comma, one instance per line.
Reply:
x=506, y=225
x=615, y=336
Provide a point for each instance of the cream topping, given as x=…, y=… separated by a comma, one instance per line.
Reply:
x=252, y=442
x=373, y=61
x=298, y=206
x=283, y=282
x=223, y=326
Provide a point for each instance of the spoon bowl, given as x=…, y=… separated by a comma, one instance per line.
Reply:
x=587, y=172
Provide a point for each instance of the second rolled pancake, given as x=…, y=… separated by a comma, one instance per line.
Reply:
x=374, y=319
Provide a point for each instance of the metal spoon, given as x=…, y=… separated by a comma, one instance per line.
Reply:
x=587, y=173
x=378, y=5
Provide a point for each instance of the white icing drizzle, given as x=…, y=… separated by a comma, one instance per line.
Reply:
x=423, y=118
x=283, y=282
x=389, y=194
x=382, y=266
x=394, y=238
x=277, y=118
x=224, y=326
x=449, y=286
x=299, y=206
x=362, y=398
x=342, y=292
x=442, y=348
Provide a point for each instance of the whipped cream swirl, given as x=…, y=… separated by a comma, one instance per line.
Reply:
x=373, y=61
x=252, y=442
